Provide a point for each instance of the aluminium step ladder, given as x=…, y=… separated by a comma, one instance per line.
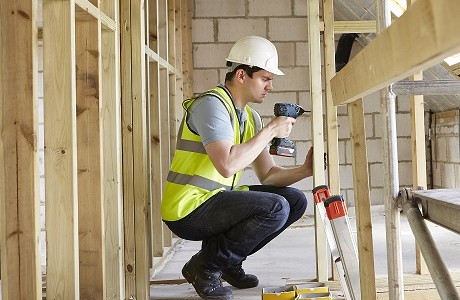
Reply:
x=334, y=215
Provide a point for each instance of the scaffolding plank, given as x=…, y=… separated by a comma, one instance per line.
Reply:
x=441, y=206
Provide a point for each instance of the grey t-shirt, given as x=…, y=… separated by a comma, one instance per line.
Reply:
x=209, y=118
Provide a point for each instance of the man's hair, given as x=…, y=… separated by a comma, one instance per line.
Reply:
x=249, y=70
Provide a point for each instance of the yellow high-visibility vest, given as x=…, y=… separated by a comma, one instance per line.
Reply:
x=193, y=179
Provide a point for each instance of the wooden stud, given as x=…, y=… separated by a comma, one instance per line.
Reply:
x=60, y=150
x=111, y=155
x=361, y=189
x=163, y=51
x=19, y=178
x=127, y=151
x=317, y=131
x=140, y=171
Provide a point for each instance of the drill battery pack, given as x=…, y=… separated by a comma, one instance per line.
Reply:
x=282, y=147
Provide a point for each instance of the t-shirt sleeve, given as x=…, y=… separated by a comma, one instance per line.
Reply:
x=209, y=118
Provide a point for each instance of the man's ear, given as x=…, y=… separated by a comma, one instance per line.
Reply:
x=240, y=75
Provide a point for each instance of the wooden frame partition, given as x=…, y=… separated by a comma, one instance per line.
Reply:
x=153, y=43
x=103, y=176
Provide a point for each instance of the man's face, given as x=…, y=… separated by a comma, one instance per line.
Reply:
x=259, y=85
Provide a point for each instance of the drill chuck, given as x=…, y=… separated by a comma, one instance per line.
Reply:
x=288, y=110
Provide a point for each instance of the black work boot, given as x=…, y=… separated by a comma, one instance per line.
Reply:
x=238, y=278
x=207, y=283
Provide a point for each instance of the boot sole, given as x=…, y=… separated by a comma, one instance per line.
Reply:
x=190, y=280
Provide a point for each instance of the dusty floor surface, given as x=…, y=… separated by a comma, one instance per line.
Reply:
x=290, y=258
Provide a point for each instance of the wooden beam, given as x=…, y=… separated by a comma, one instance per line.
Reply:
x=424, y=35
x=426, y=87
x=361, y=190
x=60, y=150
x=19, y=178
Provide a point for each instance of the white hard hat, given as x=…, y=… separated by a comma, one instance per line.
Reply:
x=255, y=51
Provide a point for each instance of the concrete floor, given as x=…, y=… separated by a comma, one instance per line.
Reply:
x=290, y=258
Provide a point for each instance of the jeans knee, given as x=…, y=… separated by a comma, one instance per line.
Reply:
x=282, y=209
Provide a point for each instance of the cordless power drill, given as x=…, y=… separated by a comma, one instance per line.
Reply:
x=283, y=146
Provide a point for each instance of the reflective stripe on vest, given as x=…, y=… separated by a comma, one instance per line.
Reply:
x=193, y=178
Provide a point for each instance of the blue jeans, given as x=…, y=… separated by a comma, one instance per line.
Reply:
x=235, y=224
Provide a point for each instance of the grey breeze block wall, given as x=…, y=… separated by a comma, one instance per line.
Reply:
x=217, y=24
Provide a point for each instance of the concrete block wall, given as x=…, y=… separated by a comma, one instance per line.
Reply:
x=446, y=150
x=217, y=24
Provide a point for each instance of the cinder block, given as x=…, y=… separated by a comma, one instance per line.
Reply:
x=266, y=109
x=296, y=79
x=210, y=55
x=207, y=80
x=346, y=176
x=300, y=8
x=448, y=176
x=287, y=29
x=270, y=8
x=343, y=152
x=404, y=149
x=374, y=150
x=231, y=30
x=376, y=175
x=405, y=174
x=441, y=149
x=344, y=127
x=371, y=103
x=203, y=30
x=369, y=125
x=453, y=149
x=403, y=104
x=286, y=54
x=302, y=54
x=302, y=129
x=403, y=125
x=219, y=8
x=377, y=195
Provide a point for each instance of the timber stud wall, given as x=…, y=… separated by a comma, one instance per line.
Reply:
x=113, y=72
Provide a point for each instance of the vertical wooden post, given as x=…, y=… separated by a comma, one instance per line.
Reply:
x=187, y=50
x=60, y=149
x=317, y=131
x=111, y=164
x=163, y=52
x=417, y=109
x=89, y=160
x=362, y=200
x=19, y=179
x=127, y=150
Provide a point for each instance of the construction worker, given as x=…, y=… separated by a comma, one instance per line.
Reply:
x=219, y=137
